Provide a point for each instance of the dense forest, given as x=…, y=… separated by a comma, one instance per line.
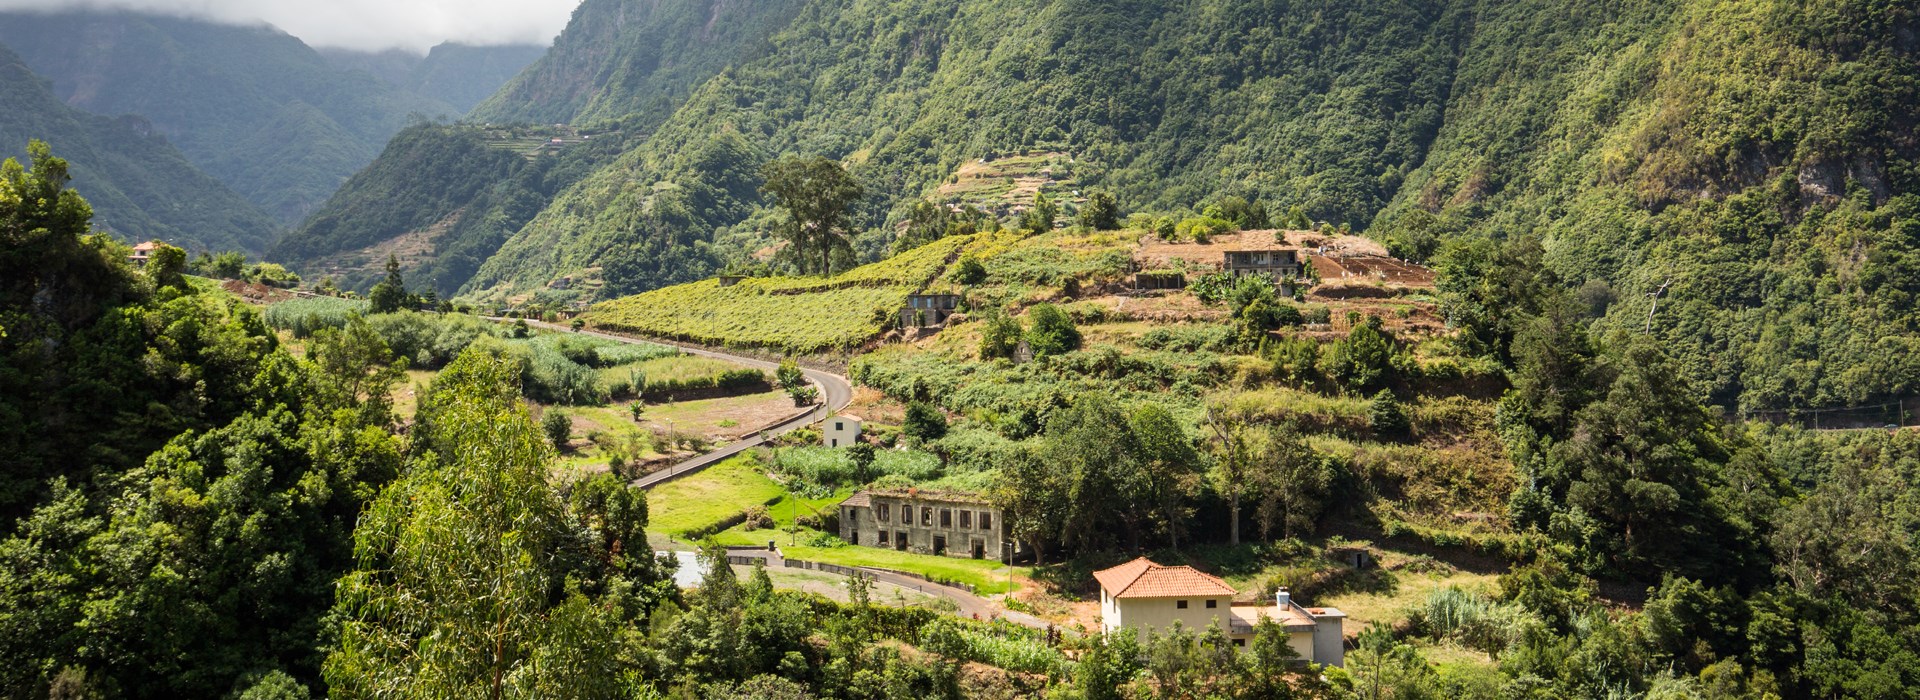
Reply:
x=456, y=74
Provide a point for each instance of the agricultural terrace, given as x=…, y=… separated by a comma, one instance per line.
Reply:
x=793, y=314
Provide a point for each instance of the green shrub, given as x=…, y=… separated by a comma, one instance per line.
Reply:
x=557, y=428
x=1052, y=333
x=1202, y=229
x=924, y=422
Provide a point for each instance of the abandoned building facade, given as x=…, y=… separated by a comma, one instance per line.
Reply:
x=924, y=522
x=1278, y=263
x=924, y=310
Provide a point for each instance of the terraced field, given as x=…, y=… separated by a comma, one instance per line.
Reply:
x=794, y=314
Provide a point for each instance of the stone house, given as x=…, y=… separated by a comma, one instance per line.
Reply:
x=946, y=524
x=1141, y=595
x=928, y=309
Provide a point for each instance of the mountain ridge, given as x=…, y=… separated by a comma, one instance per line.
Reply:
x=140, y=186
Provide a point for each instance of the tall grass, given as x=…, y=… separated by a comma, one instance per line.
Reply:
x=1472, y=619
x=305, y=316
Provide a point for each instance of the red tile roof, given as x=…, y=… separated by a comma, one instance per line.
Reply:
x=1141, y=578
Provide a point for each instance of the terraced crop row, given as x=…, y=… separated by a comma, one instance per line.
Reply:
x=793, y=315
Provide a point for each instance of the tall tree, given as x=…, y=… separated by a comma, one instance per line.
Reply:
x=461, y=586
x=816, y=193
x=1170, y=467
x=1100, y=212
x=390, y=294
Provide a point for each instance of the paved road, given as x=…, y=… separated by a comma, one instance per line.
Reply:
x=834, y=390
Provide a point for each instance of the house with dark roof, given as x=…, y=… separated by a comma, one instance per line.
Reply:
x=1141, y=595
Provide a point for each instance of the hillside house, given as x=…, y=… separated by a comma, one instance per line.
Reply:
x=928, y=309
x=1278, y=263
x=944, y=524
x=840, y=431
x=142, y=252
x=1141, y=595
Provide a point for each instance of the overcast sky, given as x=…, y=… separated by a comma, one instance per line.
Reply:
x=362, y=24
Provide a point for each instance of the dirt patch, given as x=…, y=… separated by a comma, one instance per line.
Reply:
x=1338, y=268
x=721, y=419
x=875, y=407
x=257, y=293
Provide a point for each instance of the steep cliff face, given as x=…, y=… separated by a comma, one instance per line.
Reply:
x=635, y=59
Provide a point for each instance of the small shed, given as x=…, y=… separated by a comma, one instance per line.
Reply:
x=1147, y=281
x=840, y=431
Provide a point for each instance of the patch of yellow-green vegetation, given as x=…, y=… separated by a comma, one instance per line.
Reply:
x=794, y=314
x=705, y=415
x=705, y=499
x=987, y=576
x=681, y=367
x=1409, y=591
x=406, y=394
x=1310, y=411
x=790, y=508
x=835, y=587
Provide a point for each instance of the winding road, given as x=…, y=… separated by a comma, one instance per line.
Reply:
x=835, y=394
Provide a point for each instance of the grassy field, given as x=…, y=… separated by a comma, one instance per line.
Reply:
x=987, y=576
x=1410, y=591
x=719, y=492
x=795, y=314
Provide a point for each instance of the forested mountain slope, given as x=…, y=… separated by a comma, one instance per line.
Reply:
x=1750, y=162
x=252, y=106
x=1746, y=161
x=635, y=59
x=140, y=187
x=1330, y=111
x=441, y=199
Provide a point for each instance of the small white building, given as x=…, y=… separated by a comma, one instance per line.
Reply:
x=840, y=431
x=1141, y=595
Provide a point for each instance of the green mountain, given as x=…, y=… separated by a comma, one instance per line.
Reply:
x=441, y=199
x=635, y=59
x=1747, y=163
x=252, y=106
x=140, y=187
x=456, y=74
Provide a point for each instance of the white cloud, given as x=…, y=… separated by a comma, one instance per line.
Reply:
x=359, y=24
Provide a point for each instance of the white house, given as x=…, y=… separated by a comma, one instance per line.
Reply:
x=1141, y=595
x=840, y=431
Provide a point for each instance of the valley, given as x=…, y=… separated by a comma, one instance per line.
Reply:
x=1223, y=349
